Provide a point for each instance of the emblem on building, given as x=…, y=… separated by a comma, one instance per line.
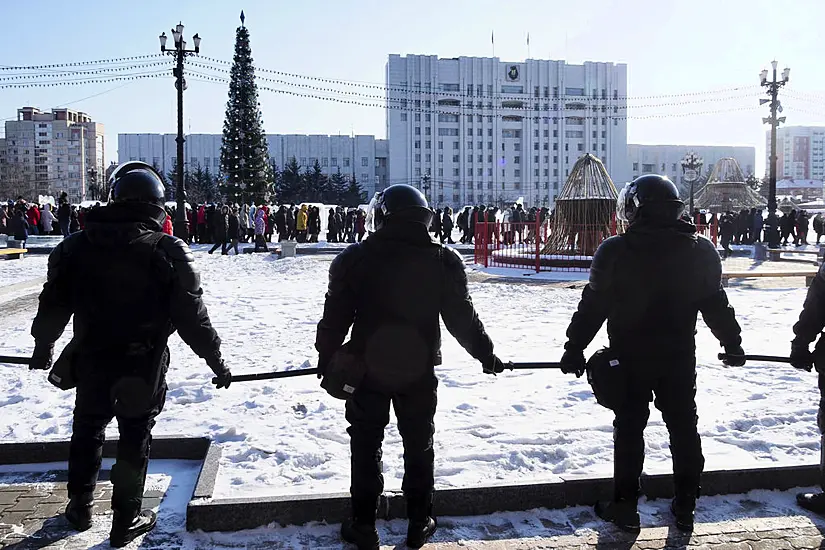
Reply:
x=512, y=72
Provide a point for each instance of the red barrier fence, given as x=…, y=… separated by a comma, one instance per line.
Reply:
x=524, y=245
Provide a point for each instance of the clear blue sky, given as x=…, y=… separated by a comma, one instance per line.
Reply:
x=670, y=47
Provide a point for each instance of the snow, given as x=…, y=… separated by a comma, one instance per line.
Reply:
x=32, y=266
x=288, y=436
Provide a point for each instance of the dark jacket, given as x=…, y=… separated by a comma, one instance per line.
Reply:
x=234, y=227
x=18, y=226
x=64, y=212
x=221, y=226
x=812, y=319
x=399, y=277
x=649, y=284
x=126, y=285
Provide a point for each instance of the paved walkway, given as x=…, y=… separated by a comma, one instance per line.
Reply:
x=31, y=514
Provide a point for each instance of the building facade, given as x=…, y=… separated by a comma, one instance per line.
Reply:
x=806, y=190
x=481, y=130
x=363, y=157
x=799, y=150
x=48, y=153
x=667, y=159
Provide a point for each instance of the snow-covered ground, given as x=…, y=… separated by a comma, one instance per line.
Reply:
x=289, y=436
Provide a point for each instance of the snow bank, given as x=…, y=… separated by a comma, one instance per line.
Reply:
x=289, y=436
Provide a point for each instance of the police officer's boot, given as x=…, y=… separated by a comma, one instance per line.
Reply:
x=360, y=530
x=128, y=521
x=421, y=523
x=622, y=513
x=815, y=502
x=684, y=502
x=79, y=511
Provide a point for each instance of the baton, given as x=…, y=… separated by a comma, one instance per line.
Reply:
x=526, y=366
x=766, y=358
x=270, y=375
x=11, y=360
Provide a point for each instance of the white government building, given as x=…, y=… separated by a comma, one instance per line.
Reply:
x=490, y=131
x=361, y=156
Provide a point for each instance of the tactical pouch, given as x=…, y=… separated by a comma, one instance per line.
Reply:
x=608, y=378
x=344, y=374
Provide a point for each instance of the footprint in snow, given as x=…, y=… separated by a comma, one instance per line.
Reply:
x=519, y=408
x=756, y=396
x=465, y=407
x=300, y=409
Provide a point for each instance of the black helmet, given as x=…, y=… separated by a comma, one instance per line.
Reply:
x=136, y=181
x=650, y=196
x=401, y=202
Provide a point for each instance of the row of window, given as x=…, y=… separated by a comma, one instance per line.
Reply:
x=480, y=173
x=478, y=89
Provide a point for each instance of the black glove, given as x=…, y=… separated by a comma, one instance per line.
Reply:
x=801, y=357
x=323, y=361
x=222, y=377
x=492, y=365
x=42, y=357
x=735, y=356
x=573, y=362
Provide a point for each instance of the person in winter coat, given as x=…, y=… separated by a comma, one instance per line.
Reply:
x=252, y=214
x=758, y=223
x=316, y=225
x=33, y=217
x=221, y=228
x=462, y=221
x=270, y=224
x=435, y=226
x=726, y=230
x=290, y=222
x=311, y=219
x=447, y=226
x=201, y=220
x=64, y=215
x=280, y=224
x=301, y=224
x=74, y=224
x=4, y=220
x=360, y=224
x=47, y=220
x=243, y=217
x=819, y=227
x=235, y=229
x=649, y=284
x=19, y=227
x=788, y=227
x=332, y=227
x=260, y=228
x=801, y=228
x=167, y=224
x=471, y=224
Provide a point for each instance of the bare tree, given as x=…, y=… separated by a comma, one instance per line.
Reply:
x=17, y=179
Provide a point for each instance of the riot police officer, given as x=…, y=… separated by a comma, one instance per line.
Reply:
x=391, y=288
x=649, y=284
x=129, y=286
x=811, y=323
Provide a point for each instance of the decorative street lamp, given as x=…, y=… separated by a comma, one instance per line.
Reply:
x=179, y=52
x=692, y=169
x=772, y=86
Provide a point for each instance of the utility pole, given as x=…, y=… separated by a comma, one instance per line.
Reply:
x=772, y=86
x=180, y=52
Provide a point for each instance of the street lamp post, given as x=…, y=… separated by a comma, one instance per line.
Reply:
x=772, y=89
x=179, y=52
x=692, y=168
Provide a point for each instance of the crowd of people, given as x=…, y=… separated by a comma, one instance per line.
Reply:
x=226, y=225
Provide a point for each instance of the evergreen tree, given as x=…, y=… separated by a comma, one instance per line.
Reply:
x=338, y=186
x=170, y=180
x=316, y=183
x=292, y=183
x=277, y=183
x=244, y=152
x=354, y=195
x=211, y=191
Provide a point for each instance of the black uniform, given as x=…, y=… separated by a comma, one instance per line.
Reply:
x=391, y=289
x=128, y=286
x=649, y=284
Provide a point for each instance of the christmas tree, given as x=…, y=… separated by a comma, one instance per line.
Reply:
x=244, y=152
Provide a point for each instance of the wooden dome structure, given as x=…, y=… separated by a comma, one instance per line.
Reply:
x=726, y=190
x=584, y=210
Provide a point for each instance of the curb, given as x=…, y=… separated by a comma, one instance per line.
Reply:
x=248, y=513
